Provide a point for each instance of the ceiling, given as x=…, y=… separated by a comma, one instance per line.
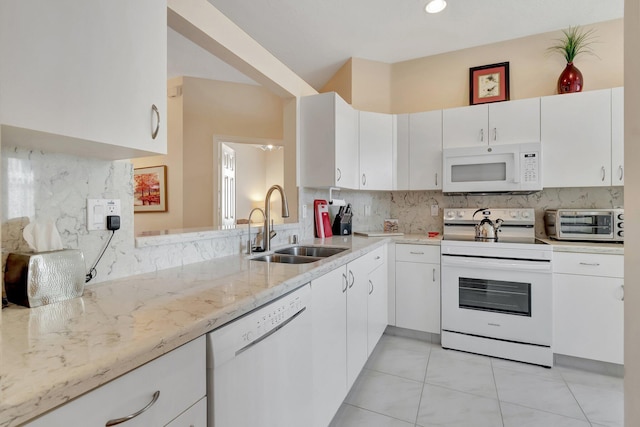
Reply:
x=315, y=37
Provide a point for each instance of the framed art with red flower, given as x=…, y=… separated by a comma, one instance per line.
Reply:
x=489, y=83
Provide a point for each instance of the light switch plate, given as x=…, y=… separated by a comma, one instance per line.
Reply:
x=435, y=210
x=98, y=210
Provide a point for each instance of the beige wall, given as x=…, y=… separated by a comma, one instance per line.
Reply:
x=341, y=82
x=172, y=219
x=632, y=212
x=219, y=108
x=442, y=81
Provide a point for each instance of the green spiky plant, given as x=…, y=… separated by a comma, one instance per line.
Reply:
x=576, y=41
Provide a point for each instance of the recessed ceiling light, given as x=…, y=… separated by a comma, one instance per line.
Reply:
x=435, y=6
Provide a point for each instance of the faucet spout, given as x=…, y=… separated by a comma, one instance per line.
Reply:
x=267, y=210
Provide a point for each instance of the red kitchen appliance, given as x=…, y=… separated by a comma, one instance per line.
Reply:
x=323, y=223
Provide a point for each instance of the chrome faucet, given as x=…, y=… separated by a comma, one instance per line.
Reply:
x=249, y=244
x=266, y=235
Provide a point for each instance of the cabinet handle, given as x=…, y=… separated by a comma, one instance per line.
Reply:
x=339, y=175
x=620, y=172
x=117, y=421
x=371, y=287
x=622, y=295
x=481, y=135
x=154, y=132
x=434, y=274
x=364, y=179
x=603, y=173
x=593, y=264
x=377, y=258
x=353, y=279
x=495, y=134
x=346, y=283
x=416, y=253
x=436, y=179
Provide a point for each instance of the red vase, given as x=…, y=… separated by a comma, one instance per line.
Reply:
x=570, y=80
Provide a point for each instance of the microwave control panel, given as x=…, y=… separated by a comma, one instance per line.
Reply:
x=530, y=167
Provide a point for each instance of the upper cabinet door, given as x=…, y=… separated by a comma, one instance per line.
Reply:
x=617, y=136
x=328, y=142
x=401, y=171
x=85, y=78
x=514, y=121
x=376, y=151
x=425, y=151
x=576, y=139
x=465, y=126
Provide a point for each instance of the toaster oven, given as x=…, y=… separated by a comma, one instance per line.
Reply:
x=585, y=224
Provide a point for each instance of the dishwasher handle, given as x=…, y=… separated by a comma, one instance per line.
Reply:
x=271, y=332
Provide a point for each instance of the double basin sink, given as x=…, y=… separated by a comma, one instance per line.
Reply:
x=300, y=254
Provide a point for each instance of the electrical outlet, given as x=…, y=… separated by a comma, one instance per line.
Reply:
x=98, y=210
x=434, y=210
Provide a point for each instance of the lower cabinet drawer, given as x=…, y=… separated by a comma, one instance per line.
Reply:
x=418, y=253
x=196, y=416
x=586, y=264
x=166, y=387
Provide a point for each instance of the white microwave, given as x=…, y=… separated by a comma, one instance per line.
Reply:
x=505, y=168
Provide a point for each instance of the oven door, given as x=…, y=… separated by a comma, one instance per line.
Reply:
x=497, y=298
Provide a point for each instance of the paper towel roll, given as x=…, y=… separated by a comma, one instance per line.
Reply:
x=337, y=202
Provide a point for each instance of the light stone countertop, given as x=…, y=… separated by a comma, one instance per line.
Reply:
x=54, y=353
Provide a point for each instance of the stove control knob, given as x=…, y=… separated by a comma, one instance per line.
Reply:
x=451, y=214
x=513, y=214
x=460, y=214
x=621, y=217
x=621, y=224
x=621, y=233
x=525, y=214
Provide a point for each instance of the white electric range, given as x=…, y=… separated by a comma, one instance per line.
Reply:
x=496, y=294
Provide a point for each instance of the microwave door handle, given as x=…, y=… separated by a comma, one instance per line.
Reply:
x=516, y=172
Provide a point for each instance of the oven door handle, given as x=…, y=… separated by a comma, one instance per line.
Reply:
x=496, y=263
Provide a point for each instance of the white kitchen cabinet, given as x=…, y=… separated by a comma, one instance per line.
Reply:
x=349, y=315
x=84, y=78
x=576, y=139
x=419, y=151
x=588, y=306
x=376, y=134
x=377, y=312
x=329, y=342
x=357, y=322
x=401, y=165
x=488, y=124
x=418, y=287
x=178, y=379
x=196, y=416
x=328, y=142
x=617, y=136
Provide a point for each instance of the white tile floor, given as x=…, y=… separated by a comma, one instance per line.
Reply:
x=409, y=383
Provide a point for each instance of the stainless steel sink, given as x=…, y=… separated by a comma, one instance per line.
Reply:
x=287, y=259
x=311, y=251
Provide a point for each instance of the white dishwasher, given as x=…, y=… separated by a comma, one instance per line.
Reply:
x=259, y=366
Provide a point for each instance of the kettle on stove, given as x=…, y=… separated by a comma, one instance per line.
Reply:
x=486, y=229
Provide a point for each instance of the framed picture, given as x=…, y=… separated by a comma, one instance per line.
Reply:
x=150, y=189
x=489, y=83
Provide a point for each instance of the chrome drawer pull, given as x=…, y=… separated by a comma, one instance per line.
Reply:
x=346, y=283
x=117, y=421
x=376, y=258
x=416, y=253
x=353, y=279
x=593, y=264
x=371, y=283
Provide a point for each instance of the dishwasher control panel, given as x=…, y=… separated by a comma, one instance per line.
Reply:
x=236, y=336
